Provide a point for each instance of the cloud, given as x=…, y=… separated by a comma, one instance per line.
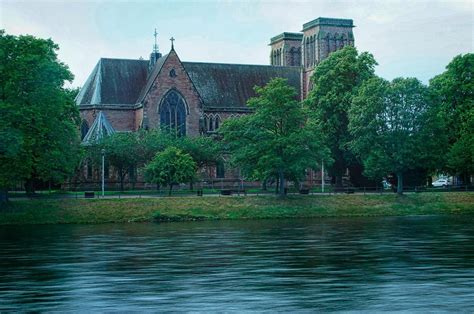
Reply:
x=408, y=38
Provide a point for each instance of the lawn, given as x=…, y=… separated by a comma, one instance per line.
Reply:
x=51, y=211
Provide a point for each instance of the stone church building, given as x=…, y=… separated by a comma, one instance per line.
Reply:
x=194, y=98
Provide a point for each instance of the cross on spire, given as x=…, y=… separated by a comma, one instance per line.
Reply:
x=155, y=47
x=172, y=42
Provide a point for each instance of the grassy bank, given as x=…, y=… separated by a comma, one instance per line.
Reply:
x=206, y=208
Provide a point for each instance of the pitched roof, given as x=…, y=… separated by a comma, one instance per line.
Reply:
x=126, y=82
x=114, y=81
x=99, y=129
x=231, y=85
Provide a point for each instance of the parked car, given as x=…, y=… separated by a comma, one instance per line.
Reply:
x=441, y=183
x=386, y=185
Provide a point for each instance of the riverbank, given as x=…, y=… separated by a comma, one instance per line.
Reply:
x=212, y=208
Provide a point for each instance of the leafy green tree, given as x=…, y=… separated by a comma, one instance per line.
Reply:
x=335, y=82
x=454, y=91
x=121, y=152
x=395, y=128
x=38, y=117
x=151, y=142
x=205, y=151
x=276, y=140
x=169, y=167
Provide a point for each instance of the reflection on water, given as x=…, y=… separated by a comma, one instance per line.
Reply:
x=398, y=263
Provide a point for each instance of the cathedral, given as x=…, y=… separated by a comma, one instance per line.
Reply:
x=194, y=98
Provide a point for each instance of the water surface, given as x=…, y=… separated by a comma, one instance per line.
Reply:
x=395, y=263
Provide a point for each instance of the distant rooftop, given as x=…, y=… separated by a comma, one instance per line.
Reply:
x=328, y=22
x=286, y=36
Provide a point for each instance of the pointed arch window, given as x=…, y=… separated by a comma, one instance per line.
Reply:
x=173, y=113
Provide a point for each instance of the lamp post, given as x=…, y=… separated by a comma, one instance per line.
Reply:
x=322, y=176
x=103, y=172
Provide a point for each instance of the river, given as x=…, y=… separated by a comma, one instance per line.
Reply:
x=370, y=264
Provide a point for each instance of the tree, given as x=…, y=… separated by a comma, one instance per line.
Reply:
x=151, y=142
x=121, y=152
x=276, y=140
x=335, y=82
x=395, y=128
x=172, y=166
x=454, y=91
x=38, y=117
x=205, y=151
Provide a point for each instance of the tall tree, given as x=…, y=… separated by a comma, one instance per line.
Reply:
x=121, y=152
x=454, y=91
x=169, y=167
x=205, y=151
x=335, y=82
x=38, y=116
x=395, y=128
x=277, y=140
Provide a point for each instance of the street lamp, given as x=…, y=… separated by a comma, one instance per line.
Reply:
x=103, y=171
x=322, y=176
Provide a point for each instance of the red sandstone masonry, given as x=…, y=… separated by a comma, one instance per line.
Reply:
x=121, y=120
x=183, y=84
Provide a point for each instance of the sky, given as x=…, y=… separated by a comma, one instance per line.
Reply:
x=410, y=38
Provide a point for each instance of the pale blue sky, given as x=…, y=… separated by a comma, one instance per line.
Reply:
x=407, y=38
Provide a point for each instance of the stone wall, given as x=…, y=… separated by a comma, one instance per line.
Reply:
x=163, y=83
x=120, y=119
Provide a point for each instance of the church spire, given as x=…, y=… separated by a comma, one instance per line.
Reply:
x=155, y=46
x=155, y=54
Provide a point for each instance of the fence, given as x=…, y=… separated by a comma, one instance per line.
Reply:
x=214, y=187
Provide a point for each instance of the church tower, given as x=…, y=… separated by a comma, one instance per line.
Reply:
x=316, y=41
x=323, y=36
x=155, y=54
x=286, y=49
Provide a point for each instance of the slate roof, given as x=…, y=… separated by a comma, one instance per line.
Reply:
x=231, y=85
x=124, y=83
x=99, y=129
x=114, y=81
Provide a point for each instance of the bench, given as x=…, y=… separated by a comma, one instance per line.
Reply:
x=89, y=194
x=230, y=191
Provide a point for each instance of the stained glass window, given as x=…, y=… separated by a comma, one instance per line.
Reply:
x=173, y=114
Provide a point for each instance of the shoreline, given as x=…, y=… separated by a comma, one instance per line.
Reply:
x=97, y=211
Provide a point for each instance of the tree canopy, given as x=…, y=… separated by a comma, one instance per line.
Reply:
x=171, y=166
x=129, y=151
x=453, y=90
x=335, y=82
x=276, y=140
x=395, y=128
x=38, y=116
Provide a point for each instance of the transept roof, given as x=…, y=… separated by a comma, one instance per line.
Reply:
x=98, y=130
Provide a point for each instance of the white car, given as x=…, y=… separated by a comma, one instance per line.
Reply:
x=441, y=183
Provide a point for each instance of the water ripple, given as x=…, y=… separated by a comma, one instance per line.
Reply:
x=371, y=264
